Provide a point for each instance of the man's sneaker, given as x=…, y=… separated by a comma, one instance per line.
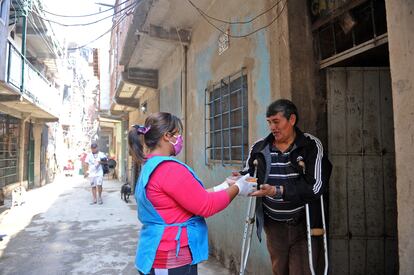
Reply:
x=100, y=201
x=92, y=202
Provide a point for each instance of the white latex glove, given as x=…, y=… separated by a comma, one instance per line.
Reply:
x=245, y=187
x=222, y=186
x=226, y=184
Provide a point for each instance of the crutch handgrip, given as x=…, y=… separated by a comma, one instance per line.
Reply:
x=317, y=232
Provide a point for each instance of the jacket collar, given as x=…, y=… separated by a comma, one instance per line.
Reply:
x=300, y=139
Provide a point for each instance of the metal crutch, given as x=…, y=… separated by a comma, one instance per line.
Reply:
x=316, y=232
x=248, y=228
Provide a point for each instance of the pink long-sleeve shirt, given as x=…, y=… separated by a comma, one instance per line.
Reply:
x=177, y=196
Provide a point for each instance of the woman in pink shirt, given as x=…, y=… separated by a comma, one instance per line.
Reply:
x=172, y=201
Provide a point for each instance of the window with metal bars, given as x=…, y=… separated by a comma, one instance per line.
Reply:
x=226, y=120
x=361, y=25
x=9, y=149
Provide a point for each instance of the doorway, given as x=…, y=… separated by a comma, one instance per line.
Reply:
x=362, y=192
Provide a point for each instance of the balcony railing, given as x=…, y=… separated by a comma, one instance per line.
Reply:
x=36, y=88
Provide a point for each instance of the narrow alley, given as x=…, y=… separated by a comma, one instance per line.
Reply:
x=57, y=231
x=312, y=98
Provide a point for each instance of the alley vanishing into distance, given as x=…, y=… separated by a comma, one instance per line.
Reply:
x=295, y=84
x=57, y=231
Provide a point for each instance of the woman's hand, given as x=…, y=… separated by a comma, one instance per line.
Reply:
x=246, y=185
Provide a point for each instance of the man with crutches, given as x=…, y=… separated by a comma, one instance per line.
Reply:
x=293, y=173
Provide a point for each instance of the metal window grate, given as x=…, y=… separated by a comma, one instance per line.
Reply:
x=226, y=120
x=9, y=149
x=368, y=26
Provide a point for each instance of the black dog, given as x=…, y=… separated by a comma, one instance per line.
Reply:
x=125, y=192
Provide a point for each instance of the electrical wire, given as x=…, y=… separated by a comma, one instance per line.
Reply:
x=85, y=15
x=122, y=18
x=133, y=4
x=234, y=22
x=36, y=29
x=250, y=33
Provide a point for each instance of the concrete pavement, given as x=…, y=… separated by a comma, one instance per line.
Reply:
x=57, y=231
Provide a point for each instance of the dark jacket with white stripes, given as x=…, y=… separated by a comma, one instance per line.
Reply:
x=311, y=183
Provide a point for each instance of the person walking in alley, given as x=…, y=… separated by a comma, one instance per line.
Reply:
x=94, y=172
x=292, y=170
x=172, y=201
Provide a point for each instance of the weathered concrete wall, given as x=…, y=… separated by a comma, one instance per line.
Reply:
x=22, y=135
x=171, y=90
x=279, y=63
x=294, y=70
x=152, y=98
x=400, y=20
x=37, y=134
x=304, y=71
x=170, y=83
x=206, y=66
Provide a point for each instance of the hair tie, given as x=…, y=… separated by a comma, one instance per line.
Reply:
x=141, y=129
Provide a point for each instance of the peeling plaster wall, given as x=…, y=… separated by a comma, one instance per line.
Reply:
x=152, y=98
x=304, y=71
x=400, y=19
x=170, y=83
x=37, y=134
x=206, y=66
x=273, y=72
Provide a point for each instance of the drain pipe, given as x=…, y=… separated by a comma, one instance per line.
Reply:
x=185, y=48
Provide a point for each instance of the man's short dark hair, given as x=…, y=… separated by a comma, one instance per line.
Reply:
x=284, y=106
x=94, y=145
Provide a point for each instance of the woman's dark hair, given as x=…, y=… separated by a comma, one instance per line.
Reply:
x=156, y=125
x=284, y=106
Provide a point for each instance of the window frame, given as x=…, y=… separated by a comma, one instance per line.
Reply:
x=9, y=149
x=241, y=90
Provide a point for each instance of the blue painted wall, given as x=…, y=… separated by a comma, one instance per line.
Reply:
x=226, y=228
x=261, y=76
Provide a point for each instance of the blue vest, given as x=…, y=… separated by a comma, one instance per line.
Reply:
x=154, y=226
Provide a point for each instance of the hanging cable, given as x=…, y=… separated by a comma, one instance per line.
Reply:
x=234, y=22
x=122, y=18
x=250, y=33
x=133, y=4
x=36, y=29
x=85, y=15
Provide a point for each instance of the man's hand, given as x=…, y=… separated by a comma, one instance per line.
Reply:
x=265, y=190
